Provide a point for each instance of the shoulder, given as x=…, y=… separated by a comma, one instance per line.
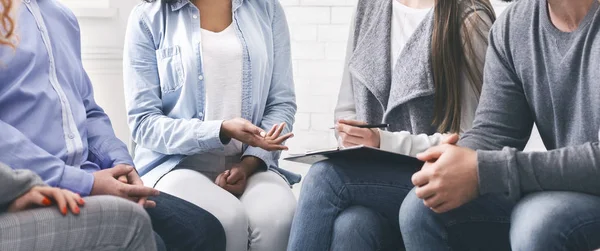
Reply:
x=516, y=19
x=270, y=8
x=149, y=13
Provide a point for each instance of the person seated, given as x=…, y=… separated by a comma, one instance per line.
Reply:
x=485, y=193
x=27, y=223
x=51, y=125
x=417, y=66
x=210, y=101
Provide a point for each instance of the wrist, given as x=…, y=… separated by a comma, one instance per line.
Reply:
x=252, y=164
x=224, y=134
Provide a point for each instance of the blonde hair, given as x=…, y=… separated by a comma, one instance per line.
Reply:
x=7, y=23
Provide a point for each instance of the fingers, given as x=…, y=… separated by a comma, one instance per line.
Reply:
x=451, y=139
x=425, y=191
x=434, y=201
x=234, y=177
x=71, y=199
x=137, y=191
x=273, y=129
x=120, y=170
x=352, y=130
x=432, y=153
x=122, y=179
x=351, y=122
x=350, y=140
x=34, y=198
x=57, y=196
x=251, y=128
x=150, y=204
x=142, y=201
x=421, y=178
x=280, y=140
x=222, y=179
x=277, y=131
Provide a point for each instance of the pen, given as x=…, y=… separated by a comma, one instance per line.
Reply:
x=370, y=126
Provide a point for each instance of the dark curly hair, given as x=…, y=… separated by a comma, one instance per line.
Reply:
x=7, y=24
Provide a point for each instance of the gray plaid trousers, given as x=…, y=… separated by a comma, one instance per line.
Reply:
x=105, y=223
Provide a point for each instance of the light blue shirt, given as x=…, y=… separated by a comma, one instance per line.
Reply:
x=164, y=82
x=49, y=121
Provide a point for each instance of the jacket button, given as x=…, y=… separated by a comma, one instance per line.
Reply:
x=201, y=77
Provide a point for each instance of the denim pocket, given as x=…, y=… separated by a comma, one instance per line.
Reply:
x=170, y=69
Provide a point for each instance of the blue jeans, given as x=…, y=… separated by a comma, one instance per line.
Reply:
x=539, y=221
x=350, y=206
x=180, y=225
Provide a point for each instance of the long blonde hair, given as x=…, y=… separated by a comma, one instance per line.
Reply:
x=7, y=23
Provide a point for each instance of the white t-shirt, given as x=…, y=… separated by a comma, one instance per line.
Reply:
x=405, y=20
x=222, y=58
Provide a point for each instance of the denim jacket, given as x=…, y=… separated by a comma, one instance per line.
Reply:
x=164, y=83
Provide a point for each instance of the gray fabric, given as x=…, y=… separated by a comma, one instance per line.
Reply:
x=105, y=223
x=14, y=183
x=403, y=98
x=535, y=73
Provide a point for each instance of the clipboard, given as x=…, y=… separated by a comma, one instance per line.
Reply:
x=356, y=153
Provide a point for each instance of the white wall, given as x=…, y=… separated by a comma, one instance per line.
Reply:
x=319, y=30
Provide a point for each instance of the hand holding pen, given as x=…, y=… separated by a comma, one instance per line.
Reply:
x=355, y=133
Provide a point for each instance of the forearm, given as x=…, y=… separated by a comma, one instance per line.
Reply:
x=515, y=173
x=18, y=152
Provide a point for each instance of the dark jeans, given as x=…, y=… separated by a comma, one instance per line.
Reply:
x=184, y=226
x=538, y=222
x=350, y=205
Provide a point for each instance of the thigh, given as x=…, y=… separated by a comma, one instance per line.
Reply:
x=270, y=206
x=200, y=191
x=556, y=220
x=104, y=223
x=379, y=186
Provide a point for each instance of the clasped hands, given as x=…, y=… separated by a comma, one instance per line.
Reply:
x=449, y=178
x=235, y=179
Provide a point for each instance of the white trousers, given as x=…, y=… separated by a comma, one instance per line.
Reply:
x=260, y=220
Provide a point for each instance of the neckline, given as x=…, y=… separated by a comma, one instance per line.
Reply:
x=587, y=20
x=409, y=10
x=219, y=32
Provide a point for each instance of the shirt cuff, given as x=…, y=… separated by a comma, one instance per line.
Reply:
x=493, y=172
x=264, y=155
x=77, y=181
x=209, y=134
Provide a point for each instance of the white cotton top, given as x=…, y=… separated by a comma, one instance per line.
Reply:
x=222, y=59
x=405, y=20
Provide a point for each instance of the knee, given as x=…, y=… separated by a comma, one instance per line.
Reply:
x=232, y=216
x=356, y=223
x=414, y=214
x=274, y=214
x=539, y=222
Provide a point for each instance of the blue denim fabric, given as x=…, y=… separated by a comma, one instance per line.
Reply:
x=184, y=226
x=333, y=187
x=539, y=221
x=164, y=81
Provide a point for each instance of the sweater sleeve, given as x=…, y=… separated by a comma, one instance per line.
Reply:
x=504, y=118
x=14, y=183
x=345, y=108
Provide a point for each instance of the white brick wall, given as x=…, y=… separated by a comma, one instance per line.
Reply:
x=319, y=31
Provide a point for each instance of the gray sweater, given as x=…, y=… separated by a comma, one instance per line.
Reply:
x=536, y=73
x=14, y=183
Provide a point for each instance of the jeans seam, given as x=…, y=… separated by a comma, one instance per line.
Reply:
x=576, y=228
